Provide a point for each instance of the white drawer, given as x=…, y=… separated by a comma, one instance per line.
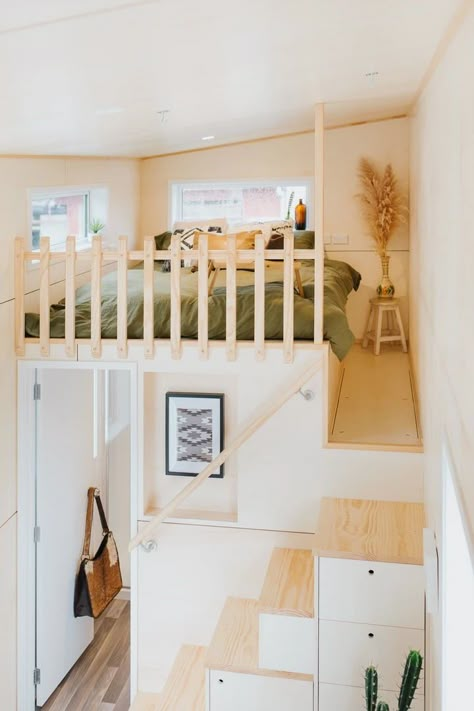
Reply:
x=229, y=691
x=349, y=698
x=346, y=649
x=376, y=593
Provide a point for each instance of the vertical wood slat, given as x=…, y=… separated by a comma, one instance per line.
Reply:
x=19, y=296
x=70, y=296
x=203, y=297
x=319, y=223
x=175, y=327
x=288, y=299
x=148, y=297
x=96, y=298
x=122, y=294
x=231, y=298
x=44, y=297
x=259, y=306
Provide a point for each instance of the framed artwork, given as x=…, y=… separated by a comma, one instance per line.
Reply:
x=194, y=432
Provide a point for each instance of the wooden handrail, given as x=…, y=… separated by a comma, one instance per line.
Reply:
x=254, y=425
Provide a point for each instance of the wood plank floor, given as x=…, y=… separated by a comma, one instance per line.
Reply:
x=376, y=402
x=100, y=680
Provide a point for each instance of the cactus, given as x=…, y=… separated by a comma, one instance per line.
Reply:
x=410, y=679
x=371, y=686
x=411, y=675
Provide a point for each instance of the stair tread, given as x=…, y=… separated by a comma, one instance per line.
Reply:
x=185, y=687
x=289, y=583
x=234, y=646
x=145, y=702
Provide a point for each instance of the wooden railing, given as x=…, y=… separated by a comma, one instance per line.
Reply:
x=121, y=259
x=144, y=536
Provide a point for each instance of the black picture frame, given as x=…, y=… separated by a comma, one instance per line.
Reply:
x=193, y=467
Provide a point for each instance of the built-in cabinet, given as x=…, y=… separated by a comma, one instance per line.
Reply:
x=370, y=588
x=8, y=616
x=234, y=692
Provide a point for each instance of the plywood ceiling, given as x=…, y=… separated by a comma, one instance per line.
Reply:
x=88, y=77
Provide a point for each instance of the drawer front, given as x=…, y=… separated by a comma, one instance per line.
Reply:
x=346, y=649
x=229, y=691
x=376, y=593
x=349, y=698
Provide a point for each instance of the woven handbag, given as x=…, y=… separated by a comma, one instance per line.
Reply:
x=98, y=579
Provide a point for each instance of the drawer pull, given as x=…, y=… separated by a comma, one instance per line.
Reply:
x=371, y=572
x=221, y=681
x=371, y=634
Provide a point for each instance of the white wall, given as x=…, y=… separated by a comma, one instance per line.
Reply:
x=442, y=268
x=121, y=177
x=293, y=156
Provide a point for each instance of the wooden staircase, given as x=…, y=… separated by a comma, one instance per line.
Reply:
x=233, y=670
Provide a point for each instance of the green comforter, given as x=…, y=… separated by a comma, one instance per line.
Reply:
x=339, y=280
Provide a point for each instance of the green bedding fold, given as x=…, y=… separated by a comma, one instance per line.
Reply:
x=339, y=280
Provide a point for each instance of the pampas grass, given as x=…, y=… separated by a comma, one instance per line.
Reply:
x=383, y=205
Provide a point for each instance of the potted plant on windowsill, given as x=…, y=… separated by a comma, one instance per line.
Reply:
x=384, y=209
x=95, y=228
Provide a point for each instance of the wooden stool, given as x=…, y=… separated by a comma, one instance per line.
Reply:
x=379, y=307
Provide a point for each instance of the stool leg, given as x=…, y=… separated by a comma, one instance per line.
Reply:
x=402, y=332
x=378, y=331
x=370, y=321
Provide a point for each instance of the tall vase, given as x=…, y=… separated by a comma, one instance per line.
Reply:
x=385, y=289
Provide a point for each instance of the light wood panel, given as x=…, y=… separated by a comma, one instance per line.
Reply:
x=122, y=284
x=145, y=702
x=318, y=222
x=259, y=310
x=175, y=295
x=96, y=310
x=70, y=295
x=203, y=296
x=288, y=299
x=185, y=687
x=385, y=531
x=231, y=297
x=148, y=297
x=234, y=646
x=289, y=583
x=44, y=296
x=19, y=297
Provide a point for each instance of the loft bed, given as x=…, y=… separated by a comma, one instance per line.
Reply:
x=165, y=292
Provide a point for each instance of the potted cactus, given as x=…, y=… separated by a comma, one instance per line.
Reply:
x=411, y=676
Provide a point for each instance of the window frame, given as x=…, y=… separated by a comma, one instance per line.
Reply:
x=58, y=192
x=176, y=187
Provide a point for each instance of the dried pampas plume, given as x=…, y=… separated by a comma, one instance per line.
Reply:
x=383, y=205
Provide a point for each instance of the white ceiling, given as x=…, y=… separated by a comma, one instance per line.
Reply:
x=87, y=77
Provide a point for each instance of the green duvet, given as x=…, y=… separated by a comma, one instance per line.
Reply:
x=339, y=280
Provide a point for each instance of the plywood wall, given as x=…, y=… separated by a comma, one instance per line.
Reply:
x=441, y=268
x=293, y=156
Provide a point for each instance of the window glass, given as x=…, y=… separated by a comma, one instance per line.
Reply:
x=58, y=216
x=237, y=202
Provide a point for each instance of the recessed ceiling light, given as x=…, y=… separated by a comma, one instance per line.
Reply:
x=208, y=138
x=107, y=110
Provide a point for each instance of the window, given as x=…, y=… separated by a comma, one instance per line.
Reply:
x=241, y=201
x=58, y=214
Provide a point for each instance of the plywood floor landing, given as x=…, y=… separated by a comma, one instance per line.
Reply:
x=376, y=401
x=100, y=679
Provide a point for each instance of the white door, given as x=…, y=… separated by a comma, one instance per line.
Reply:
x=65, y=469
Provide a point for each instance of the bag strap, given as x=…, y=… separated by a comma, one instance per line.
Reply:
x=92, y=494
